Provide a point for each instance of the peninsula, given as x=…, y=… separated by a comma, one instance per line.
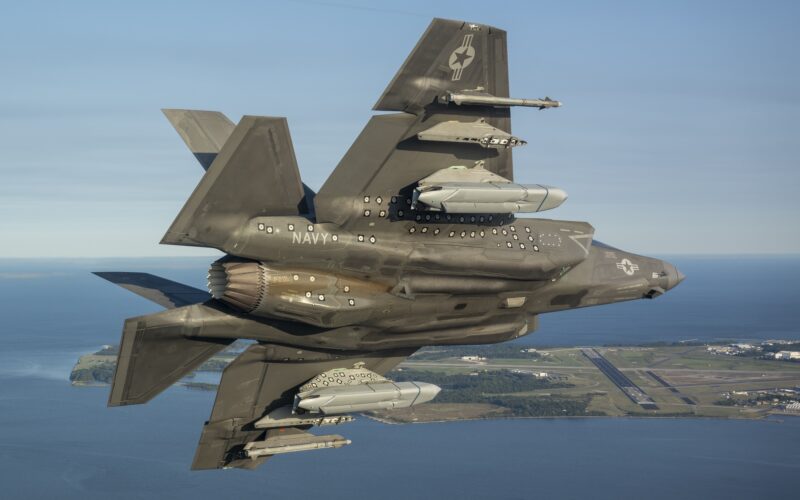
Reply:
x=722, y=380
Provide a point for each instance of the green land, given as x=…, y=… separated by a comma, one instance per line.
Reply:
x=508, y=381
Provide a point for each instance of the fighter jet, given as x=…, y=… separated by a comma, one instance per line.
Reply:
x=414, y=240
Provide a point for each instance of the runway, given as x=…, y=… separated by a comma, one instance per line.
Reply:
x=626, y=385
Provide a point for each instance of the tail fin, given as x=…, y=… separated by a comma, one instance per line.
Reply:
x=255, y=173
x=156, y=351
x=204, y=132
x=451, y=56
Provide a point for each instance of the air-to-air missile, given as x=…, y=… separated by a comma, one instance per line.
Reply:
x=290, y=443
x=483, y=99
x=414, y=240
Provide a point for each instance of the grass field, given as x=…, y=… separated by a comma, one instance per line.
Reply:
x=692, y=372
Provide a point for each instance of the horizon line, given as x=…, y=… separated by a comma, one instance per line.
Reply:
x=693, y=254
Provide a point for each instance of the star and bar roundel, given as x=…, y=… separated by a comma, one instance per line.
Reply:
x=462, y=57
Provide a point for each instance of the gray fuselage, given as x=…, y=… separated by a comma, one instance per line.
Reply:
x=401, y=277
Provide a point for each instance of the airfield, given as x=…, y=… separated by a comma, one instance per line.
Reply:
x=512, y=381
x=672, y=381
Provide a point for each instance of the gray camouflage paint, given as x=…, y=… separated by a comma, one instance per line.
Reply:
x=358, y=276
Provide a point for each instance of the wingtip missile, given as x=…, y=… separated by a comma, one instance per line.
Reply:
x=483, y=99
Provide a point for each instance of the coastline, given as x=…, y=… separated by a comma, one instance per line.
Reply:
x=774, y=417
x=506, y=381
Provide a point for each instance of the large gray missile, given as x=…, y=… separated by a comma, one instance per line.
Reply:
x=346, y=390
x=476, y=190
x=466, y=198
x=365, y=397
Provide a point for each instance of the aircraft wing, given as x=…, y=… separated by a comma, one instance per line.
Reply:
x=452, y=57
x=262, y=379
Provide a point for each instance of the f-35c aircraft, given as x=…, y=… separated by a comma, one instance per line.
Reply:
x=412, y=241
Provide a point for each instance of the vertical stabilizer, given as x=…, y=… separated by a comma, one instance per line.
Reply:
x=204, y=132
x=255, y=174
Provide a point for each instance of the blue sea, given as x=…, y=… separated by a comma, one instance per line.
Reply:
x=59, y=441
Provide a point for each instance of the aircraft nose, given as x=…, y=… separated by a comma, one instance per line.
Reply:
x=674, y=277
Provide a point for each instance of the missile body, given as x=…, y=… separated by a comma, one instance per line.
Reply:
x=475, y=190
x=292, y=443
x=483, y=99
x=364, y=397
x=489, y=197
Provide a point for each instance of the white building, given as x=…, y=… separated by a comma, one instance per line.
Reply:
x=787, y=355
x=793, y=407
x=472, y=358
x=720, y=350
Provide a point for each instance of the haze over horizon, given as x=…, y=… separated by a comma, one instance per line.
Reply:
x=678, y=135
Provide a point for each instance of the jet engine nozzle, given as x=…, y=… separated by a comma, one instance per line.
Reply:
x=315, y=297
x=239, y=283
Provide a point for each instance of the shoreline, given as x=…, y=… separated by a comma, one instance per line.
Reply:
x=769, y=417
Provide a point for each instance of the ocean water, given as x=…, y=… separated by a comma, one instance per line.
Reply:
x=747, y=298
x=58, y=441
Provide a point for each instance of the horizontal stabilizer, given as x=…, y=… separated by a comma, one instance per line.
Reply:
x=166, y=293
x=255, y=174
x=204, y=132
x=156, y=351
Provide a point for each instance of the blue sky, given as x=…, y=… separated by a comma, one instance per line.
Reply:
x=680, y=131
